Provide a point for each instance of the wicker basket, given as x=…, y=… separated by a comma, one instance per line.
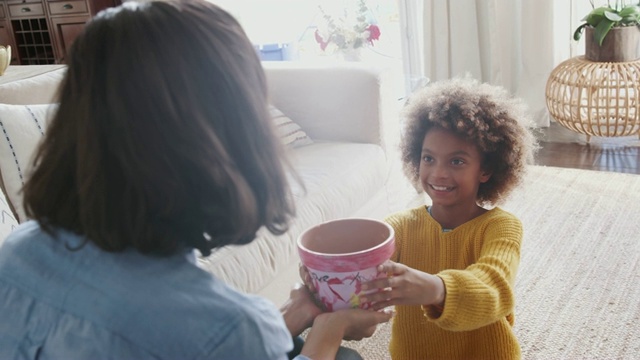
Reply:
x=596, y=98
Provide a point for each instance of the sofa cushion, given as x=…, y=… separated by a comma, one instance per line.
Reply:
x=339, y=178
x=289, y=132
x=22, y=128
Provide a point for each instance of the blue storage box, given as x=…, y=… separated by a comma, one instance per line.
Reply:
x=273, y=52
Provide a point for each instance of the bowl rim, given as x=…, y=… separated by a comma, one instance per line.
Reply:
x=389, y=238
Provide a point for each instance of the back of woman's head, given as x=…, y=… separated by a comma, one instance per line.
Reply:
x=162, y=137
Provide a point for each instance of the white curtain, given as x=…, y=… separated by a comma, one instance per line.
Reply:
x=512, y=43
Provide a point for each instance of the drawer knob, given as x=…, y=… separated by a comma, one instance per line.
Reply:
x=25, y=9
x=67, y=6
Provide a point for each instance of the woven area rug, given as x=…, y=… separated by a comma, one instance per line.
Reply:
x=578, y=286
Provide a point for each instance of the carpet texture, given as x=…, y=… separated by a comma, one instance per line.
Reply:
x=578, y=286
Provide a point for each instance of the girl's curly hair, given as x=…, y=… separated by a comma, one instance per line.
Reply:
x=485, y=115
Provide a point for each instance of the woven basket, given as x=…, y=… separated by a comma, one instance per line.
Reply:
x=595, y=98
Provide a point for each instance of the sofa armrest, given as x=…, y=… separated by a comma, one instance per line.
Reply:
x=338, y=102
x=31, y=84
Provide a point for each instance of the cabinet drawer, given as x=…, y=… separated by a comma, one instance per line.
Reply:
x=9, y=2
x=26, y=10
x=68, y=7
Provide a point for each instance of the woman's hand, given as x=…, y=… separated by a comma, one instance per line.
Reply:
x=329, y=329
x=404, y=286
x=306, y=278
x=300, y=310
x=360, y=324
x=308, y=283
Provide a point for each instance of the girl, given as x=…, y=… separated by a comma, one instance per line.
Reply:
x=455, y=263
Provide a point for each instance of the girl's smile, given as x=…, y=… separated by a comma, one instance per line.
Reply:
x=441, y=188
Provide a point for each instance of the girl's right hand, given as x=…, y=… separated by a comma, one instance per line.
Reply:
x=404, y=286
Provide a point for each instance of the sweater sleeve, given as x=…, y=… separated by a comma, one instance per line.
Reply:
x=482, y=293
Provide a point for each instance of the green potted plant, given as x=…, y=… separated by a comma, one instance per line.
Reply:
x=612, y=32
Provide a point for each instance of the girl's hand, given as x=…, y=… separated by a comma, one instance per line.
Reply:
x=404, y=286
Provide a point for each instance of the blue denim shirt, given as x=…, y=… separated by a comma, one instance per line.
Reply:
x=59, y=301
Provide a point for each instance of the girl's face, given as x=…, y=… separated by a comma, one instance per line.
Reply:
x=451, y=169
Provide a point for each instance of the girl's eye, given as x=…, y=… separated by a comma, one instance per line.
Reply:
x=427, y=158
x=457, y=162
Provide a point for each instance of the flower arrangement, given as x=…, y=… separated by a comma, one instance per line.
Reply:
x=347, y=32
x=605, y=17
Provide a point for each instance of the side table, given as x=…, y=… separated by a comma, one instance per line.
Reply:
x=595, y=98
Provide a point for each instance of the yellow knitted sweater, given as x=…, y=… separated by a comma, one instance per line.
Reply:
x=478, y=262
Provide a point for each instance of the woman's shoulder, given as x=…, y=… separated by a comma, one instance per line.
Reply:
x=30, y=239
x=232, y=322
x=27, y=229
x=258, y=318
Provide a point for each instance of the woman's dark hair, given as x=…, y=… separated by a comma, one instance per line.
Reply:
x=484, y=114
x=162, y=138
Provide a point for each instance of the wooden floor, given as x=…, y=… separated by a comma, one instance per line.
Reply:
x=564, y=148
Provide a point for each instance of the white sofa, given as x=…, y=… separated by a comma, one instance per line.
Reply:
x=349, y=112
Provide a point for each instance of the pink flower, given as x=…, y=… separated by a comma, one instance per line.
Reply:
x=374, y=33
x=329, y=297
x=320, y=40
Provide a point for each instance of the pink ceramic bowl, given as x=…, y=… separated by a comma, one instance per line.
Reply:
x=342, y=254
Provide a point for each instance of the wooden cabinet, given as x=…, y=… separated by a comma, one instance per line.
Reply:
x=41, y=31
x=65, y=30
x=6, y=35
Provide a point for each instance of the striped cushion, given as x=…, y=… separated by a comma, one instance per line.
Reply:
x=290, y=133
x=21, y=128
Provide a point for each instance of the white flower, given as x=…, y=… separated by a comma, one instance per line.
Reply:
x=347, y=32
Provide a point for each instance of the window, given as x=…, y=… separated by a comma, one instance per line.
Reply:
x=291, y=25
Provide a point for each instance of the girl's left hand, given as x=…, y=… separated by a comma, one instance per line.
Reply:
x=404, y=286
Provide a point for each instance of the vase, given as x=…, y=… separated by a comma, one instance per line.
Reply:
x=341, y=255
x=5, y=58
x=351, y=54
x=621, y=44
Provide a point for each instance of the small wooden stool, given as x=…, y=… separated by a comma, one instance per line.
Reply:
x=596, y=98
